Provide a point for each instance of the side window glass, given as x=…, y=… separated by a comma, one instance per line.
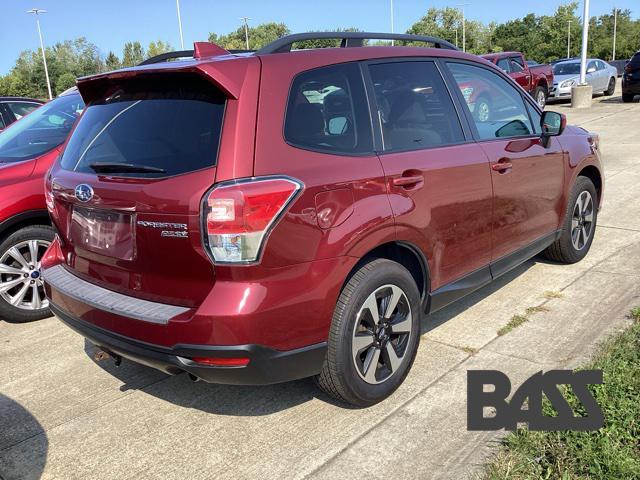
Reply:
x=503, y=63
x=414, y=106
x=591, y=65
x=496, y=107
x=516, y=66
x=20, y=109
x=535, y=118
x=327, y=110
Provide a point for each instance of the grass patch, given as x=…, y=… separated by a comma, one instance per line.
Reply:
x=549, y=294
x=469, y=350
x=533, y=310
x=613, y=452
x=515, y=322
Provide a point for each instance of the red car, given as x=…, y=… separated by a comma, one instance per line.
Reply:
x=27, y=150
x=258, y=218
x=537, y=80
x=14, y=108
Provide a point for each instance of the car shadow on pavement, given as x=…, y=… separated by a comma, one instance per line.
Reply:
x=436, y=319
x=21, y=437
x=238, y=400
x=235, y=400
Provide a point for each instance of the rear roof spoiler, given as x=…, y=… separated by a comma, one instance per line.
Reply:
x=200, y=50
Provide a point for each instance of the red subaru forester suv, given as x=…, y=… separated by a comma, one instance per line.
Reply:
x=263, y=217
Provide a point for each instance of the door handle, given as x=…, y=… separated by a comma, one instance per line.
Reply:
x=502, y=166
x=407, y=181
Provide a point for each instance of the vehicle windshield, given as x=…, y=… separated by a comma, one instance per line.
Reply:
x=572, y=68
x=41, y=131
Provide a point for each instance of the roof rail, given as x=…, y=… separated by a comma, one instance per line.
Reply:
x=349, y=39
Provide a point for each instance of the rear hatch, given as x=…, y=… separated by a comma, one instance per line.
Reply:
x=128, y=187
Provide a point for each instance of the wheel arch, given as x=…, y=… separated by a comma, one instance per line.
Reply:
x=23, y=219
x=407, y=255
x=593, y=174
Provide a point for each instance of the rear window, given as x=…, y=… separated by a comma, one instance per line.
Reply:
x=153, y=127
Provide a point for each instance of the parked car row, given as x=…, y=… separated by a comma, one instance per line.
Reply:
x=263, y=217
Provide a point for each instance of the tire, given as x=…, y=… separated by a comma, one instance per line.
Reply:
x=577, y=232
x=540, y=95
x=29, y=307
x=345, y=375
x=611, y=87
x=627, y=97
x=482, y=110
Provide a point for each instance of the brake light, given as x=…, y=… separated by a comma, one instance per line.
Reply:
x=238, y=216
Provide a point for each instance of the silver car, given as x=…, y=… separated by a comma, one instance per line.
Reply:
x=600, y=75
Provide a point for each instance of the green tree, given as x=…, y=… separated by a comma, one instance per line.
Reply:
x=132, y=54
x=157, y=48
x=259, y=36
x=446, y=23
x=112, y=62
x=65, y=81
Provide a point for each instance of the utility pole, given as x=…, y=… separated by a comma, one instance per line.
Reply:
x=456, y=36
x=180, y=24
x=246, y=31
x=569, y=41
x=615, y=31
x=464, y=29
x=36, y=12
x=585, y=41
x=392, y=29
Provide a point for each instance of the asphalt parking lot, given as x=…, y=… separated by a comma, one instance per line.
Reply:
x=64, y=416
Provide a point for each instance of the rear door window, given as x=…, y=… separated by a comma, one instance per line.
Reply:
x=153, y=128
x=414, y=106
x=327, y=111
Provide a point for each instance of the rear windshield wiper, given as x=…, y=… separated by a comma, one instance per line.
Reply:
x=114, y=167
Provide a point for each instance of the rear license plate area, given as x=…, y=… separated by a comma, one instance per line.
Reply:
x=103, y=232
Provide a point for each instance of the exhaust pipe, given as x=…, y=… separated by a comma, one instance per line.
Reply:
x=101, y=355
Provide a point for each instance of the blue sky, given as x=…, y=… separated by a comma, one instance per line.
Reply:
x=111, y=23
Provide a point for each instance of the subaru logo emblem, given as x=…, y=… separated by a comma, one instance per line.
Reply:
x=84, y=192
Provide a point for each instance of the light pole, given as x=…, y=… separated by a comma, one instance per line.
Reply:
x=246, y=31
x=180, y=24
x=36, y=12
x=392, y=30
x=464, y=30
x=569, y=41
x=615, y=28
x=585, y=40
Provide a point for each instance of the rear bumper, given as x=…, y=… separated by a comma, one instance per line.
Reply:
x=630, y=86
x=266, y=366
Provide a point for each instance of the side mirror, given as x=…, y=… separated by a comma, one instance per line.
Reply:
x=591, y=69
x=553, y=124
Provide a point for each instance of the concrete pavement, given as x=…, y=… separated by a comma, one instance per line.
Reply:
x=63, y=416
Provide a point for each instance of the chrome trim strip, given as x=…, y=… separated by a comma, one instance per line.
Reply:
x=101, y=298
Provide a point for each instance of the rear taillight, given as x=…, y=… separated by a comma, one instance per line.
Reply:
x=238, y=216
